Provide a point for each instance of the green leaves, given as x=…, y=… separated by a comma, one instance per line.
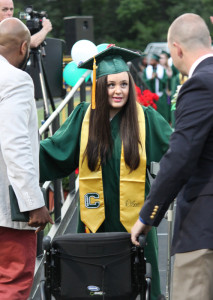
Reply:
x=127, y=23
x=129, y=9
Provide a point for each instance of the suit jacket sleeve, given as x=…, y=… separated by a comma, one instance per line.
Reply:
x=193, y=124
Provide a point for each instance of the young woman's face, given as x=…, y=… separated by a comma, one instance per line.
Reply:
x=118, y=91
x=163, y=60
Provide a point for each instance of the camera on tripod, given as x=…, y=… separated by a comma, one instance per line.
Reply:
x=33, y=19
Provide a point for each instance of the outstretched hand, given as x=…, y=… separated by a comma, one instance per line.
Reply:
x=39, y=218
x=137, y=229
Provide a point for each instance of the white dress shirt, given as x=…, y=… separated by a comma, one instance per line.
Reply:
x=19, y=144
x=197, y=62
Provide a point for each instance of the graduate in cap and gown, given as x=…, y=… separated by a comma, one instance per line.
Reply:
x=156, y=79
x=143, y=63
x=113, y=141
x=164, y=61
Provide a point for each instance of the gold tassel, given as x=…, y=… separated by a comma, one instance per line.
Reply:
x=87, y=229
x=94, y=83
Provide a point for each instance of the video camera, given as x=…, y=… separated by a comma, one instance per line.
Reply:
x=33, y=19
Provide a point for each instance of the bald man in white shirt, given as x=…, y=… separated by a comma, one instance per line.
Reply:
x=19, y=163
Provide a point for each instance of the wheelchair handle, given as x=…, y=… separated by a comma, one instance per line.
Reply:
x=142, y=240
x=46, y=243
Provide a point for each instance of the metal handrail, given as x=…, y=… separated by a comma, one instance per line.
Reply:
x=56, y=112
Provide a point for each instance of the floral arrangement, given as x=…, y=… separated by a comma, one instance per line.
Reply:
x=174, y=98
x=146, y=98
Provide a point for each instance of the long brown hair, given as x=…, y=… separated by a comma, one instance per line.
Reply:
x=100, y=142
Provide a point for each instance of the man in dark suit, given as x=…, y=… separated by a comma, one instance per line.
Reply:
x=186, y=170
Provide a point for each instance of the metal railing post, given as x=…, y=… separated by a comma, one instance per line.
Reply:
x=55, y=124
x=83, y=92
x=70, y=105
x=40, y=236
x=72, y=175
x=57, y=200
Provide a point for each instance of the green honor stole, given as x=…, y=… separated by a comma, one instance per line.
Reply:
x=132, y=184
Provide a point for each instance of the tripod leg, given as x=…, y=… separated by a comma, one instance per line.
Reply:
x=43, y=87
x=47, y=86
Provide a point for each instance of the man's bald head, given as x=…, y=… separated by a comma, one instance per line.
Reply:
x=13, y=31
x=188, y=40
x=14, y=40
x=190, y=31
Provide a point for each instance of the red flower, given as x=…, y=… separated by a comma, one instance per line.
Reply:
x=146, y=98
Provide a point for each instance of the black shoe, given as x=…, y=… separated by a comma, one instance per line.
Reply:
x=161, y=297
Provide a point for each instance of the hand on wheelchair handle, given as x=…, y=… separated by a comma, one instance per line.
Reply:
x=138, y=229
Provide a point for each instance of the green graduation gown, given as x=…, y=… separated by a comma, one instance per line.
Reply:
x=59, y=156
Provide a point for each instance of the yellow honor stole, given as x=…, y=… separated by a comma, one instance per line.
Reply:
x=132, y=185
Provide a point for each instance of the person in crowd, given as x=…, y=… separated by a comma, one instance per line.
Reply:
x=156, y=78
x=19, y=161
x=186, y=170
x=143, y=63
x=6, y=11
x=164, y=61
x=113, y=143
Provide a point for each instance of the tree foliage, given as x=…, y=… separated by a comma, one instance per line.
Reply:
x=127, y=23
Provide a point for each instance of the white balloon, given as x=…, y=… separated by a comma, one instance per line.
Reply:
x=83, y=50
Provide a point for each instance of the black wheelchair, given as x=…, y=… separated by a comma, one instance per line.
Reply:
x=95, y=266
